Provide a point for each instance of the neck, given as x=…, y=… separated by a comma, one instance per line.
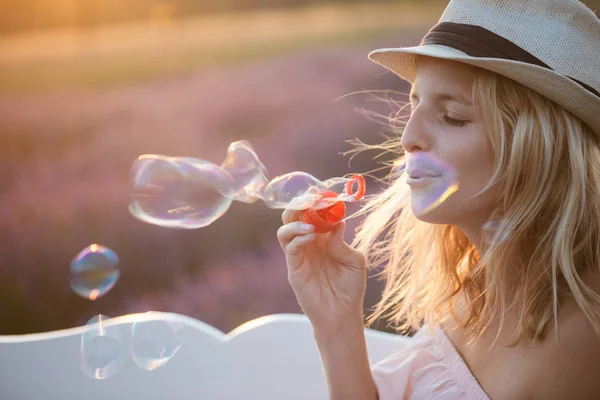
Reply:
x=473, y=232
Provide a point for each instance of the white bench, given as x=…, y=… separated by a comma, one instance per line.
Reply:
x=170, y=356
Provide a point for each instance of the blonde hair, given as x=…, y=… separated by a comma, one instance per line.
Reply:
x=548, y=169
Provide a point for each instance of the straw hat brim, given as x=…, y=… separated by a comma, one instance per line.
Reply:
x=556, y=87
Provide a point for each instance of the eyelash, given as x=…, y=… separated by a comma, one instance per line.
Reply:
x=450, y=121
x=454, y=122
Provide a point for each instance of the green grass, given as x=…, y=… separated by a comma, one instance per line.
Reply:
x=106, y=73
x=121, y=56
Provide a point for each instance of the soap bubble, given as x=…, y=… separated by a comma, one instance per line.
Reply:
x=296, y=191
x=184, y=192
x=179, y=192
x=154, y=343
x=398, y=167
x=248, y=173
x=94, y=271
x=101, y=349
x=494, y=230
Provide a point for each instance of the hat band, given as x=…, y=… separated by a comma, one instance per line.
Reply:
x=477, y=41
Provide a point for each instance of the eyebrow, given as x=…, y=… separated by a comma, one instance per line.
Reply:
x=441, y=97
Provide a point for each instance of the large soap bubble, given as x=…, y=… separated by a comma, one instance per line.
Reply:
x=185, y=192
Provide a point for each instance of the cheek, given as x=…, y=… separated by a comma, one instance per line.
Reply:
x=473, y=159
x=474, y=179
x=475, y=171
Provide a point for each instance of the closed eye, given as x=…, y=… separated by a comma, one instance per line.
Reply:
x=454, y=122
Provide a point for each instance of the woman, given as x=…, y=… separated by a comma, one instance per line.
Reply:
x=501, y=276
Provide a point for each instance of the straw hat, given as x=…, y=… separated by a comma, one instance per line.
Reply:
x=550, y=46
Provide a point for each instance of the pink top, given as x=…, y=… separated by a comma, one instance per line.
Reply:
x=429, y=367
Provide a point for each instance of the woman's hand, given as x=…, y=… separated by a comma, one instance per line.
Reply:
x=327, y=276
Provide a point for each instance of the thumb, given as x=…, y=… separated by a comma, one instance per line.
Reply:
x=340, y=249
x=337, y=235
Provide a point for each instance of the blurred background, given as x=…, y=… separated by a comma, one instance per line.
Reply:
x=87, y=86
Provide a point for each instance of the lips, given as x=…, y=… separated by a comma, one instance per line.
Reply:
x=417, y=173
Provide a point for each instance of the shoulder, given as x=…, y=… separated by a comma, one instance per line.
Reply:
x=570, y=364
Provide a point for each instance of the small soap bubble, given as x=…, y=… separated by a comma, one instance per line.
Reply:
x=440, y=181
x=94, y=271
x=337, y=185
x=296, y=190
x=179, y=192
x=344, y=187
x=347, y=189
x=398, y=167
x=495, y=230
x=154, y=343
x=101, y=349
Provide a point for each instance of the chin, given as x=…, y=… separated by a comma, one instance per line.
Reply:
x=441, y=215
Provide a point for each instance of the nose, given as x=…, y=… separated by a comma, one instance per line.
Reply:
x=415, y=136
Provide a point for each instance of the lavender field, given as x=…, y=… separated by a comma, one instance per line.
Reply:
x=66, y=150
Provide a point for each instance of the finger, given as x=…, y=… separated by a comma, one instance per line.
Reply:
x=286, y=233
x=291, y=215
x=293, y=251
x=294, y=248
x=337, y=245
x=340, y=249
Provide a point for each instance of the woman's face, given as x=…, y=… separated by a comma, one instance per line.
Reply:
x=447, y=147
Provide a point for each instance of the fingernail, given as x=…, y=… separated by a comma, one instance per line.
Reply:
x=306, y=227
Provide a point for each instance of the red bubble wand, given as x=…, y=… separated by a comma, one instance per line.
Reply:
x=327, y=218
